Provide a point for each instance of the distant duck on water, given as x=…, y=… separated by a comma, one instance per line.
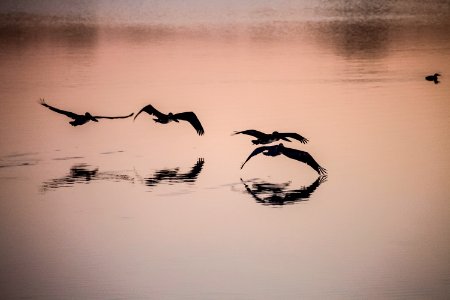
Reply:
x=433, y=78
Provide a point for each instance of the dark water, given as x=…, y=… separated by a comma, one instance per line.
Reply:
x=138, y=210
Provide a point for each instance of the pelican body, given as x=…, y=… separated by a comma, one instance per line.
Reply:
x=301, y=156
x=267, y=138
x=83, y=119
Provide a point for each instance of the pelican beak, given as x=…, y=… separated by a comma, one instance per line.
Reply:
x=94, y=119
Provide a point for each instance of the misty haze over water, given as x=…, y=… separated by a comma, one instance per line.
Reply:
x=124, y=209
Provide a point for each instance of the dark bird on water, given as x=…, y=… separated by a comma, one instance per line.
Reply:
x=433, y=78
x=164, y=119
x=80, y=119
x=265, y=138
x=299, y=155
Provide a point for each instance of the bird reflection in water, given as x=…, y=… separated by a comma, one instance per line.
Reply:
x=172, y=176
x=280, y=194
x=81, y=173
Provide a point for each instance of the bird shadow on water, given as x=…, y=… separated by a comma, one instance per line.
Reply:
x=172, y=176
x=85, y=174
x=272, y=194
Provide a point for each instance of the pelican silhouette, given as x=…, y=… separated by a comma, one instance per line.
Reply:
x=79, y=119
x=265, y=138
x=164, y=119
x=299, y=155
x=433, y=78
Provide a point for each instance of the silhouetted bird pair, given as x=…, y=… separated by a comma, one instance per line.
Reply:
x=275, y=150
x=160, y=117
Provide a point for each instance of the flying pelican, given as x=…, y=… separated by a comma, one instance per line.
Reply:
x=299, y=155
x=265, y=138
x=433, y=78
x=164, y=119
x=80, y=119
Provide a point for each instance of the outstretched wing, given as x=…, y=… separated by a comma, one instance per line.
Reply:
x=191, y=118
x=120, y=117
x=294, y=135
x=60, y=111
x=303, y=157
x=151, y=111
x=256, y=152
x=257, y=134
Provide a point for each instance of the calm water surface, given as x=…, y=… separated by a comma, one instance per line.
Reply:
x=137, y=210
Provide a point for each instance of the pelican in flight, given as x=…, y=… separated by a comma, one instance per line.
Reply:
x=80, y=119
x=433, y=78
x=299, y=155
x=164, y=119
x=265, y=138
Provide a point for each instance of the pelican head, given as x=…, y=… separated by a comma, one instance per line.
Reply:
x=90, y=117
x=275, y=133
x=436, y=75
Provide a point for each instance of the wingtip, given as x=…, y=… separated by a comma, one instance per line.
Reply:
x=322, y=171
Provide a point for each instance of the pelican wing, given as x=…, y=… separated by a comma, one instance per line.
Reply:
x=151, y=111
x=257, y=134
x=294, y=135
x=303, y=157
x=191, y=118
x=119, y=117
x=256, y=152
x=60, y=111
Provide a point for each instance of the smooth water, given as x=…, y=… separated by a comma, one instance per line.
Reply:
x=139, y=210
